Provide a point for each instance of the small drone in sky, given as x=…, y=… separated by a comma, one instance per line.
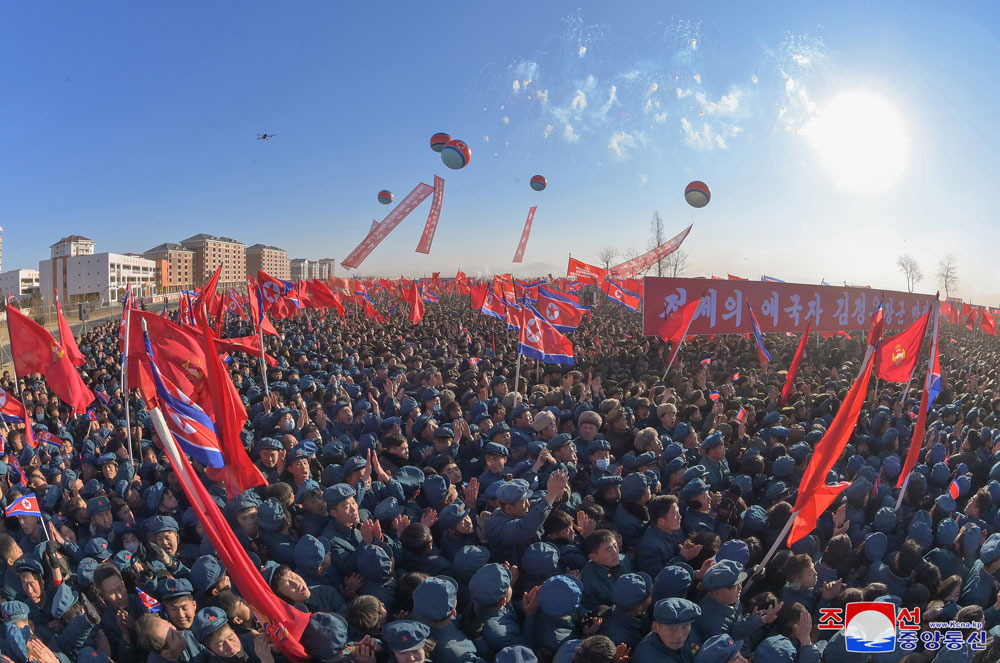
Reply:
x=265, y=136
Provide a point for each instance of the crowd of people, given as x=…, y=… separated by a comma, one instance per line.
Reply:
x=431, y=496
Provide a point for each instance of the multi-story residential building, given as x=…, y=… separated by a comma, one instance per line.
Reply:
x=211, y=251
x=270, y=259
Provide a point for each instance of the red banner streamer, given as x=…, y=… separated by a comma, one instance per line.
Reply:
x=640, y=264
x=519, y=254
x=779, y=307
x=432, y=217
x=388, y=224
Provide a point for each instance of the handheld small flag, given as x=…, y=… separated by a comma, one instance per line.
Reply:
x=26, y=505
x=736, y=376
x=714, y=396
x=954, y=490
x=148, y=602
x=741, y=415
x=706, y=361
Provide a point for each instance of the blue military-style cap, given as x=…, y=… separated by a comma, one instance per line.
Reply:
x=353, y=464
x=673, y=581
x=435, y=598
x=990, y=551
x=311, y=552
x=337, y=493
x=630, y=589
x=92, y=655
x=243, y=501
x=207, y=621
x=675, y=611
x=692, y=489
x=695, y=472
x=945, y=503
x=776, y=649
x=876, y=546
x=206, y=572
x=609, y=480
x=719, y=649
x=405, y=635
x=947, y=532
x=712, y=441
x=560, y=595
x=672, y=450
x=308, y=486
x=122, y=560
x=85, y=571
x=436, y=489
x=270, y=443
x=515, y=654
x=64, y=599
x=677, y=463
x=468, y=560
x=159, y=524
x=389, y=509
x=271, y=515
x=295, y=455
x=489, y=585
x=783, y=466
x=452, y=514
x=513, y=491
x=772, y=418
x=559, y=441
x=13, y=611
x=97, y=505
x=634, y=486
x=735, y=550
x=173, y=588
x=374, y=562
x=540, y=560
x=681, y=431
x=496, y=449
x=98, y=549
x=720, y=575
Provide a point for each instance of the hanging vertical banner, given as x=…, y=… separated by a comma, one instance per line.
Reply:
x=519, y=254
x=630, y=268
x=432, y=217
x=388, y=224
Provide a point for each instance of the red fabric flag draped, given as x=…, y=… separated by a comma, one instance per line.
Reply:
x=813, y=490
x=230, y=417
x=988, y=323
x=66, y=337
x=35, y=350
x=806, y=520
x=897, y=355
x=478, y=293
x=321, y=297
x=416, y=304
x=676, y=324
x=917, y=439
x=793, y=370
x=282, y=622
x=206, y=296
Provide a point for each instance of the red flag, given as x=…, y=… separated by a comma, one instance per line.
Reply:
x=813, y=490
x=793, y=370
x=321, y=297
x=988, y=323
x=35, y=350
x=416, y=303
x=478, y=293
x=896, y=356
x=230, y=417
x=878, y=326
x=814, y=508
x=675, y=326
x=66, y=336
x=206, y=296
x=282, y=622
x=917, y=439
x=248, y=344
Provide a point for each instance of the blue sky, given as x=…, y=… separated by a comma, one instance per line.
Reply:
x=135, y=124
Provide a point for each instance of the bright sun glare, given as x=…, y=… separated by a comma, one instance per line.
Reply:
x=861, y=139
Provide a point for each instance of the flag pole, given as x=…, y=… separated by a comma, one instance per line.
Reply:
x=517, y=372
x=263, y=364
x=28, y=433
x=778, y=541
x=673, y=355
x=128, y=421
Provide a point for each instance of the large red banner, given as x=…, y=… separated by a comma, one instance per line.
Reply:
x=432, y=217
x=388, y=224
x=779, y=307
x=579, y=268
x=639, y=264
x=519, y=254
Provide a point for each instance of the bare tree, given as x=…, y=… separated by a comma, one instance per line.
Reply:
x=629, y=254
x=675, y=264
x=657, y=236
x=607, y=255
x=948, y=274
x=908, y=265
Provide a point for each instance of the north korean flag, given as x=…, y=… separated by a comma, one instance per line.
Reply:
x=272, y=289
x=762, y=354
x=619, y=294
x=148, y=602
x=493, y=306
x=192, y=428
x=540, y=340
x=563, y=313
x=26, y=505
x=11, y=409
x=513, y=317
